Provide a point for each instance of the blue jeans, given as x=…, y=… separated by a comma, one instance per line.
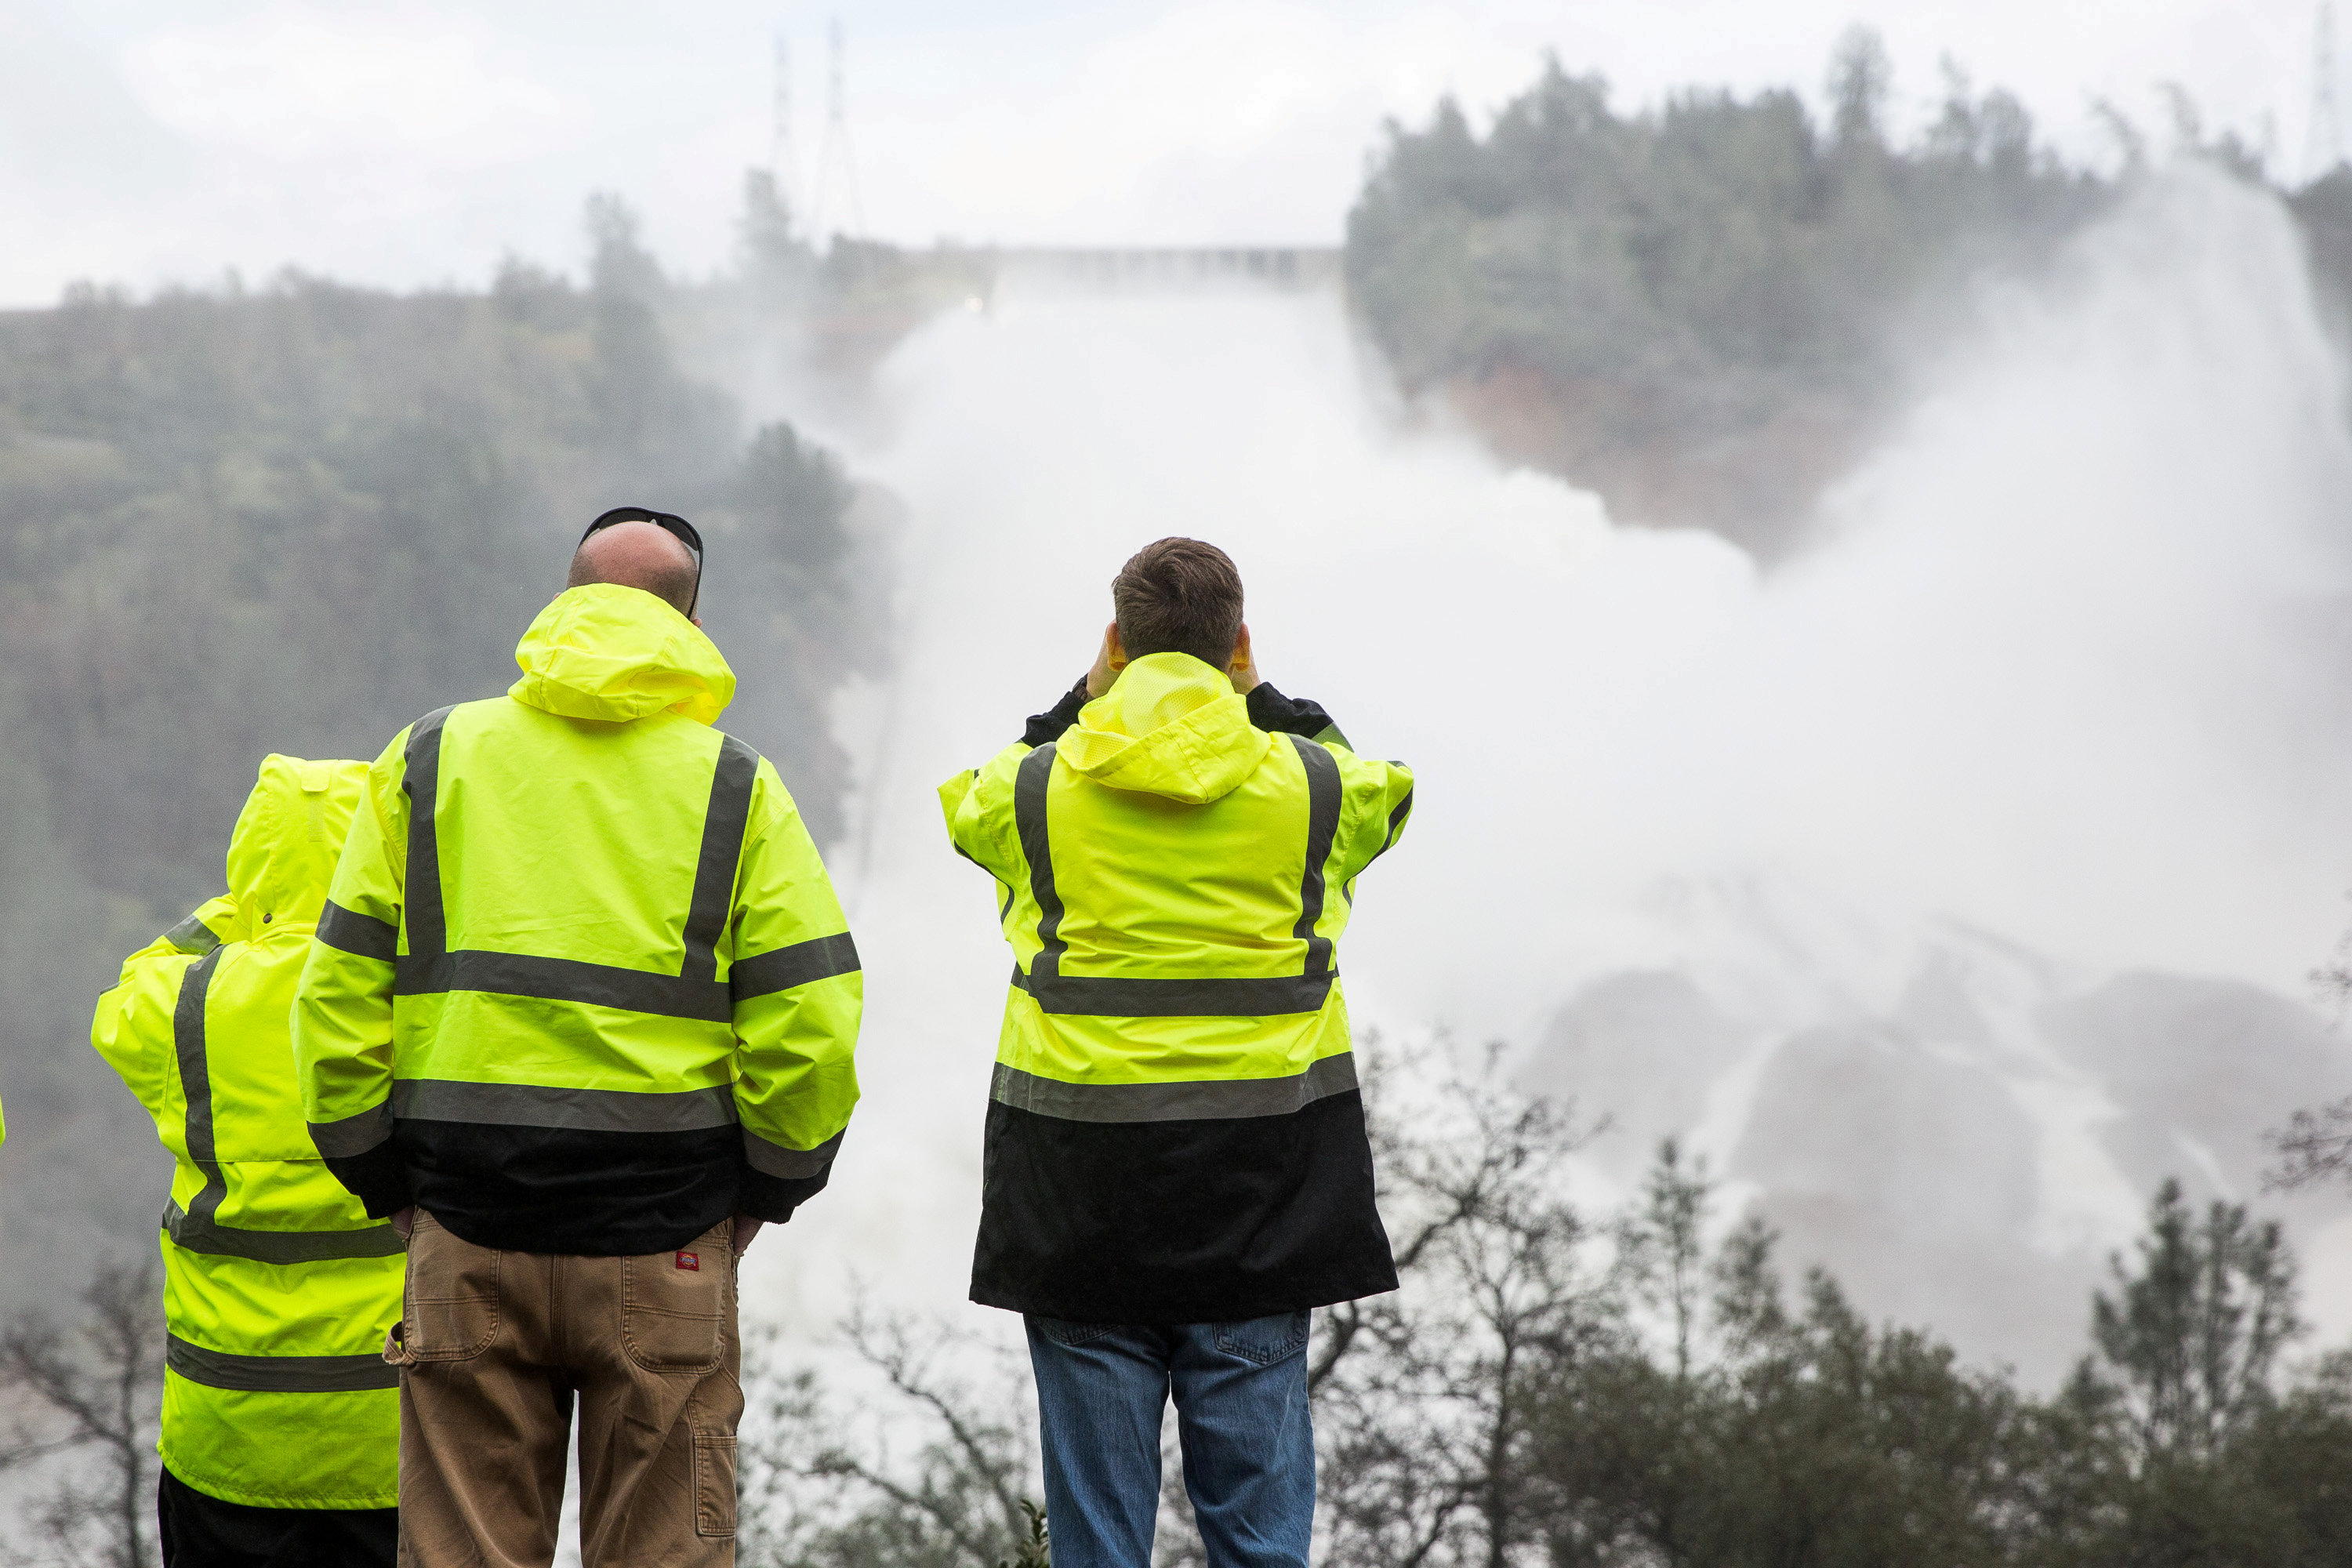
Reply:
x=1241, y=1417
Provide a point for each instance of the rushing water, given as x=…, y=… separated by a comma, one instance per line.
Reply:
x=2058, y=700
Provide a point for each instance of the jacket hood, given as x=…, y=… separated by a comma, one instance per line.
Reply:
x=282, y=855
x=1170, y=726
x=613, y=653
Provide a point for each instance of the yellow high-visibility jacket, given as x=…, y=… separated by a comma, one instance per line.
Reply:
x=1176, y=1134
x=277, y=1287
x=582, y=985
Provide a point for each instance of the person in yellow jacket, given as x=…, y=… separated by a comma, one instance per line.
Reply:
x=1177, y=1168
x=581, y=1017
x=281, y=1422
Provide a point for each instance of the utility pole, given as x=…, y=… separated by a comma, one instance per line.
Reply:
x=836, y=175
x=782, y=164
x=2324, y=141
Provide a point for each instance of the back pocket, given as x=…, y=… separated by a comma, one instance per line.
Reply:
x=1071, y=1334
x=450, y=1307
x=674, y=1304
x=1265, y=1339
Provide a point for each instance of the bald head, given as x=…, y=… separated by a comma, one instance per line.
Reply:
x=637, y=555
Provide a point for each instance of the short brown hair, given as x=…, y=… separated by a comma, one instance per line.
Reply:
x=1179, y=595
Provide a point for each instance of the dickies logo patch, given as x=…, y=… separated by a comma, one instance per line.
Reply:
x=689, y=1262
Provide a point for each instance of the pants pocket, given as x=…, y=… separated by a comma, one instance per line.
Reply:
x=674, y=1306
x=1265, y=1339
x=1070, y=1334
x=450, y=1301
x=714, y=1484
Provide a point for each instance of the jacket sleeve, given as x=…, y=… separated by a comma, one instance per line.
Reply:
x=342, y=1018
x=977, y=805
x=1377, y=804
x=134, y=1027
x=1278, y=715
x=798, y=997
x=1045, y=729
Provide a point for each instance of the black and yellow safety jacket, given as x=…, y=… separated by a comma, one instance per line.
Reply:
x=582, y=986
x=1175, y=1134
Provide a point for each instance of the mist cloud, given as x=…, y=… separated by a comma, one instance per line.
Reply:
x=2054, y=702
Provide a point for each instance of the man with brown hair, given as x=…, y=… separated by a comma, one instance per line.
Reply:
x=1177, y=1168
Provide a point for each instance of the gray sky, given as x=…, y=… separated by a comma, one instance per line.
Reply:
x=410, y=144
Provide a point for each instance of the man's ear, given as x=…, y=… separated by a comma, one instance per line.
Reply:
x=1119, y=659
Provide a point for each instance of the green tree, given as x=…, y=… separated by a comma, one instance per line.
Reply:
x=1799, y=1436
x=1860, y=75
x=2192, y=1336
x=1662, y=1250
x=1696, y=310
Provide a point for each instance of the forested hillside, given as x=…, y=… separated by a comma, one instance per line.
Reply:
x=293, y=519
x=1704, y=311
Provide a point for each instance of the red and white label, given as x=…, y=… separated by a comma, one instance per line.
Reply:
x=689, y=1262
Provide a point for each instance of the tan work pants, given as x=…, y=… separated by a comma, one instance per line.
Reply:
x=491, y=1345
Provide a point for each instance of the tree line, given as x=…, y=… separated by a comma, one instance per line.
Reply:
x=1554, y=1386
x=1641, y=1387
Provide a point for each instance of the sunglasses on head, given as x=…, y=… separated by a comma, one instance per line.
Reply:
x=668, y=523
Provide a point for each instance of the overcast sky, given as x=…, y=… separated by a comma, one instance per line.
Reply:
x=408, y=144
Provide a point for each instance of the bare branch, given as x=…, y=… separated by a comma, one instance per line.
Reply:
x=985, y=1457
x=2315, y=1147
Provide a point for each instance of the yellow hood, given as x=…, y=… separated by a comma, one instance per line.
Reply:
x=612, y=653
x=1170, y=726
x=282, y=855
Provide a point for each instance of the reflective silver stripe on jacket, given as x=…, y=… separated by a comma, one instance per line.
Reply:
x=364, y=936
x=279, y=1373
x=1110, y=997
x=586, y=1110
x=789, y=1164
x=801, y=962
x=196, y=1083
x=190, y=1233
x=562, y=980
x=192, y=935
x=353, y=1135
x=1193, y=1101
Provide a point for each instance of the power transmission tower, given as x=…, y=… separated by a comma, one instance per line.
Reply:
x=783, y=164
x=2324, y=144
x=837, y=173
